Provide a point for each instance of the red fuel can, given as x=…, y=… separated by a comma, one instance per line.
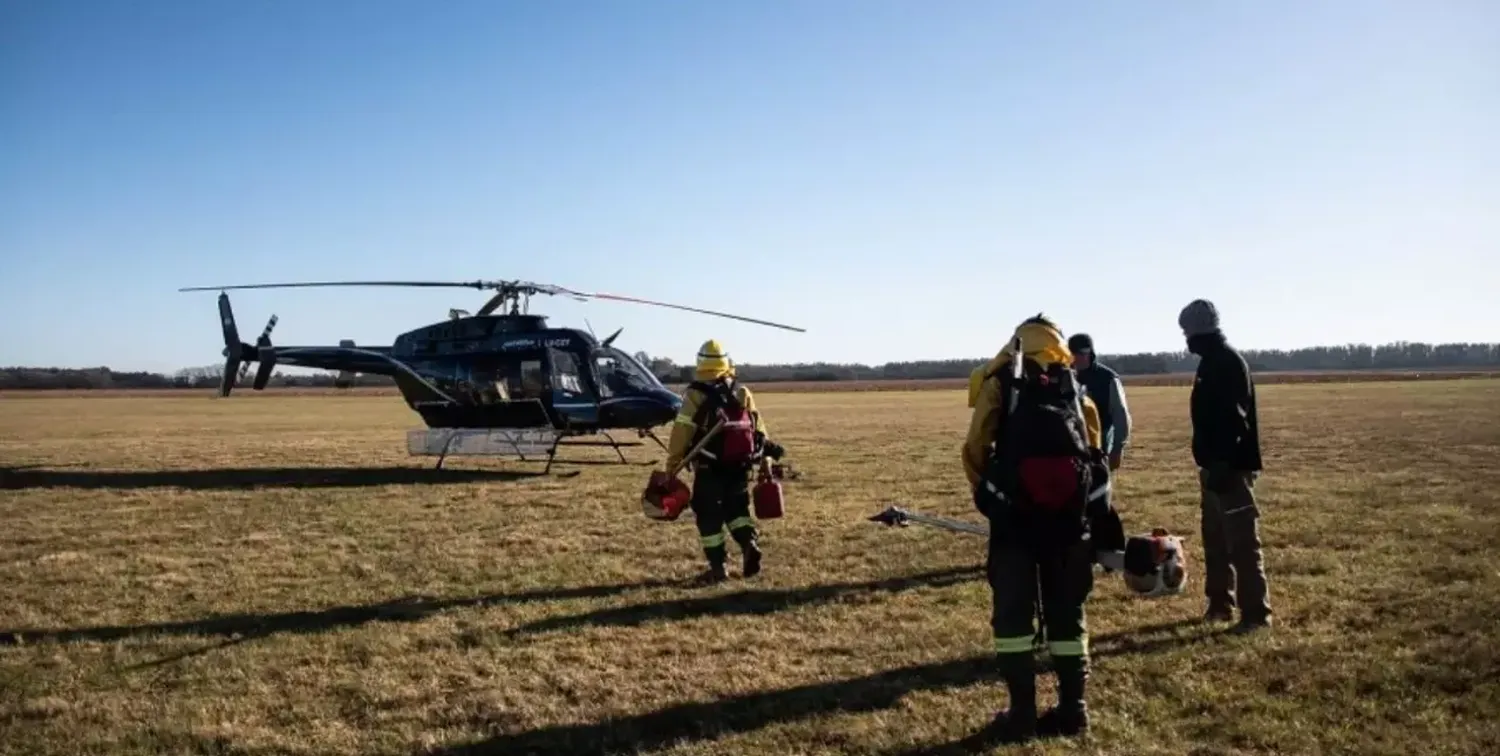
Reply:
x=665, y=499
x=768, y=498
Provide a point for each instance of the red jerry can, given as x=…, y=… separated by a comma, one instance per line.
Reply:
x=665, y=497
x=767, y=497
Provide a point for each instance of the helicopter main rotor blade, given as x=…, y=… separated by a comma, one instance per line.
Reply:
x=450, y=284
x=692, y=309
x=506, y=291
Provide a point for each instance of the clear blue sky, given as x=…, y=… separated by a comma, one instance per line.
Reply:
x=906, y=180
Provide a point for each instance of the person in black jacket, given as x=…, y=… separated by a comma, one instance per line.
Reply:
x=1226, y=448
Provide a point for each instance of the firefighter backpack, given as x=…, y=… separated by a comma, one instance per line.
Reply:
x=1041, y=467
x=735, y=444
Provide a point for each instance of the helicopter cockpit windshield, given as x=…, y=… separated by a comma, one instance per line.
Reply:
x=619, y=373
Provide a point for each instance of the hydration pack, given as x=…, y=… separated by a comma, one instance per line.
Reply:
x=1042, y=468
x=735, y=445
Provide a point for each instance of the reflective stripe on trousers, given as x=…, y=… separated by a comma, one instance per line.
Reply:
x=1078, y=647
x=1015, y=644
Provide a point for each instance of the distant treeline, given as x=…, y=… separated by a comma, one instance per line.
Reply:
x=103, y=378
x=1396, y=356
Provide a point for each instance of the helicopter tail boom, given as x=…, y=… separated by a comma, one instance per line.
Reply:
x=345, y=358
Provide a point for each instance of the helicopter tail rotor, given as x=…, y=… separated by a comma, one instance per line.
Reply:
x=238, y=354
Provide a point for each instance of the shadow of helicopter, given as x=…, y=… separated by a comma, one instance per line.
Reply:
x=240, y=627
x=34, y=476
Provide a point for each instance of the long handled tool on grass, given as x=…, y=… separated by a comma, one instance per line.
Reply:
x=896, y=516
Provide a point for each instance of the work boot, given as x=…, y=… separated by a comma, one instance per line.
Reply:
x=1016, y=724
x=1070, y=717
x=1218, y=614
x=716, y=572
x=1251, y=624
x=745, y=537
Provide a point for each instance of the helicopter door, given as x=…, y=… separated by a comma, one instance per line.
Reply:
x=570, y=398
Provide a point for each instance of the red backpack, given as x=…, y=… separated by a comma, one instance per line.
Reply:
x=735, y=444
x=1041, y=466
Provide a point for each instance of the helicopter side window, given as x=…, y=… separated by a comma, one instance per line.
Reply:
x=565, y=374
x=533, y=383
x=618, y=373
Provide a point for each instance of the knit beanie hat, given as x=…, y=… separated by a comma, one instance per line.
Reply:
x=1080, y=342
x=1200, y=317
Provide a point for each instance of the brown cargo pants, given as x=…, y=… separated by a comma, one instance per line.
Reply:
x=1232, y=564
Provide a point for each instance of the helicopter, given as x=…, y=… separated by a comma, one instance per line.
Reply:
x=497, y=382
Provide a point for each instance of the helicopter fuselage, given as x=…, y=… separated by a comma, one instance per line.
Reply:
x=502, y=371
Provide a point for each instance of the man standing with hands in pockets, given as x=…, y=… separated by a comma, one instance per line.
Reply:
x=1226, y=448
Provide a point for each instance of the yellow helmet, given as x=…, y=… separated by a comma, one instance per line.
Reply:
x=713, y=361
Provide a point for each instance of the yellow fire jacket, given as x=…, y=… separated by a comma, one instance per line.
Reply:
x=685, y=431
x=1040, y=343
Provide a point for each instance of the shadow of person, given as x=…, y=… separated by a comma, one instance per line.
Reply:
x=748, y=602
x=1147, y=639
x=743, y=713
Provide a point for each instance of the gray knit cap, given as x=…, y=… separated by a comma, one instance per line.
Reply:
x=1198, y=318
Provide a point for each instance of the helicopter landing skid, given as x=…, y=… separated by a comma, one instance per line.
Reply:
x=647, y=433
x=525, y=444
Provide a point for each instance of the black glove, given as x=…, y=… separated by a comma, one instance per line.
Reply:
x=773, y=449
x=1138, y=556
x=984, y=501
x=1106, y=531
x=1218, y=476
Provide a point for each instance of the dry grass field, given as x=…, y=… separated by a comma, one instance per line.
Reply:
x=271, y=574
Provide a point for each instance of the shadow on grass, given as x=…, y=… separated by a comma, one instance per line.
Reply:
x=710, y=720
x=714, y=719
x=1137, y=641
x=241, y=627
x=746, y=713
x=251, y=477
x=750, y=602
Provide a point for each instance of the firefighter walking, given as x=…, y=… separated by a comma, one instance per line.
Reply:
x=1035, y=461
x=723, y=468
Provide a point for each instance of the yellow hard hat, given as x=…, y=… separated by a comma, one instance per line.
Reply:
x=713, y=361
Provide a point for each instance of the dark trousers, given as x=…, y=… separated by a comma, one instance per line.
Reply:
x=1233, y=568
x=722, y=498
x=1021, y=571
